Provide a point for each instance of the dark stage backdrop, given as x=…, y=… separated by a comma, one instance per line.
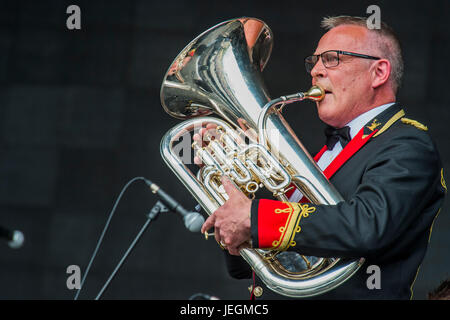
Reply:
x=80, y=115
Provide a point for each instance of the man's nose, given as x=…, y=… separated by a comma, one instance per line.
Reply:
x=319, y=70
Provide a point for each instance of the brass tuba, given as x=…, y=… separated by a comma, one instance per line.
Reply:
x=219, y=73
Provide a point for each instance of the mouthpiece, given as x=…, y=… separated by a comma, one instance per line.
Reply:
x=315, y=93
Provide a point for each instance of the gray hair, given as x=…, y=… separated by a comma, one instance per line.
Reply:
x=388, y=43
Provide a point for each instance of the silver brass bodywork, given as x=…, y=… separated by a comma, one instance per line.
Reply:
x=219, y=73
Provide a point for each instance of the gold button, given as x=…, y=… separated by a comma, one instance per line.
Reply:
x=258, y=291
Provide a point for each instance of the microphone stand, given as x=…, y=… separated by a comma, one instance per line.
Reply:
x=166, y=204
x=152, y=215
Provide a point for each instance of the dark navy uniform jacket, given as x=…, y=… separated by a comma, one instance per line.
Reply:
x=393, y=185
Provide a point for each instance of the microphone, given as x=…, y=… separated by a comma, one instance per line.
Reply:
x=15, y=238
x=192, y=220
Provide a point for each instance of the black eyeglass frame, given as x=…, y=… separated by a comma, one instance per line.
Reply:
x=346, y=53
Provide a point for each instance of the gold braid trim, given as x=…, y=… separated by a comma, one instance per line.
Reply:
x=296, y=212
x=414, y=123
x=390, y=122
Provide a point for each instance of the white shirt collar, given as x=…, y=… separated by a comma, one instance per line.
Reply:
x=359, y=122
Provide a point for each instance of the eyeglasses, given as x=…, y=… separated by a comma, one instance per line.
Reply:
x=331, y=59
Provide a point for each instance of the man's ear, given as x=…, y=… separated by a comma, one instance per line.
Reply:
x=381, y=71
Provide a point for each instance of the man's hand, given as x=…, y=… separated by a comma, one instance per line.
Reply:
x=231, y=221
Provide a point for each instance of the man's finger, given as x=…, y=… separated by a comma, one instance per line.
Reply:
x=230, y=189
x=236, y=251
x=233, y=251
x=198, y=161
x=197, y=137
x=244, y=245
x=202, y=131
x=209, y=223
x=217, y=236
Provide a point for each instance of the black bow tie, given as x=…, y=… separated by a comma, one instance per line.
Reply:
x=334, y=135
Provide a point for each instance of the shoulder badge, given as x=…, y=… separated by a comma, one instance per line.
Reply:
x=414, y=123
x=373, y=125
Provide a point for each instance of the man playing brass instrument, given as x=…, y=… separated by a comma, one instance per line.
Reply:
x=385, y=166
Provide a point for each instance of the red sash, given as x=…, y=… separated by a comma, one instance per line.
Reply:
x=350, y=149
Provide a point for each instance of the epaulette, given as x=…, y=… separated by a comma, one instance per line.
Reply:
x=414, y=123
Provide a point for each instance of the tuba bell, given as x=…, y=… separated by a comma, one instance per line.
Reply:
x=220, y=73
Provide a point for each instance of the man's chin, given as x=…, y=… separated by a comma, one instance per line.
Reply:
x=325, y=112
x=324, y=106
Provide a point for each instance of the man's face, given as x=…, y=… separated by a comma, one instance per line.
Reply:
x=348, y=85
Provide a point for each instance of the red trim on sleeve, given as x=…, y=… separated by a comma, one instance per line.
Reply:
x=278, y=222
x=269, y=223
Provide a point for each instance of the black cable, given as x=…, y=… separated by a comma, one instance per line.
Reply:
x=106, y=228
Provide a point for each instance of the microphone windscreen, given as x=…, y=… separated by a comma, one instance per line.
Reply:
x=194, y=221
